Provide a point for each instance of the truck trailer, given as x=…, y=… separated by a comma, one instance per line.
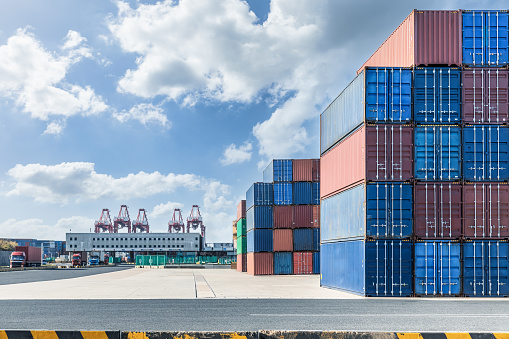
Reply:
x=26, y=256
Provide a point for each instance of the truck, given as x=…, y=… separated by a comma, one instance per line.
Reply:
x=26, y=256
x=79, y=259
x=106, y=258
x=94, y=258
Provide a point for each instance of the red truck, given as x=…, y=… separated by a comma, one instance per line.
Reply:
x=26, y=256
x=79, y=259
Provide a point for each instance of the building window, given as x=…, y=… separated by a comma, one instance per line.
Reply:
x=196, y=238
x=195, y=245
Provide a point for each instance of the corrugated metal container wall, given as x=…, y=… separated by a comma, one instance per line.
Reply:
x=486, y=153
x=485, y=95
x=438, y=210
x=260, y=194
x=486, y=210
x=342, y=266
x=485, y=268
x=302, y=193
x=387, y=93
x=303, y=239
x=283, y=216
x=316, y=239
x=242, y=262
x=437, y=153
x=283, y=263
x=316, y=194
x=241, y=245
x=485, y=38
x=316, y=263
x=241, y=209
x=437, y=95
x=423, y=38
x=303, y=263
x=316, y=170
x=316, y=216
x=241, y=227
x=259, y=217
x=259, y=240
x=278, y=170
x=303, y=170
x=260, y=263
x=437, y=268
x=283, y=240
x=283, y=194
x=302, y=216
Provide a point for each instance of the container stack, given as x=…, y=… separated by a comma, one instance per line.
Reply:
x=240, y=229
x=283, y=215
x=414, y=159
x=234, y=227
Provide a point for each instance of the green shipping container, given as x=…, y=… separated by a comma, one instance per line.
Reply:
x=241, y=228
x=117, y=260
x=150, y=260
x=242, y=245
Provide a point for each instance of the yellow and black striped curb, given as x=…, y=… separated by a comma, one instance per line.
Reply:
x=242, y=335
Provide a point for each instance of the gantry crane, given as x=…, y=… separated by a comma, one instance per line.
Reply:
x=176, y=223
x=141, y=222
x=195, y=220
x=104, y=223
x=123, y=220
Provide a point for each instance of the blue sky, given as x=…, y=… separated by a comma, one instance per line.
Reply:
x=167, y=104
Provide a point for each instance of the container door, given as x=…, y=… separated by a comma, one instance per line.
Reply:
x=496, y=270
x=448, y=268
x=425, y=268
x=437, y=95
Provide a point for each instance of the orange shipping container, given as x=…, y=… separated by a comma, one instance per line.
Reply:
x=242, y=262
x=283, y=240
x=423, y=38
x=260, y=263
x=302, y=263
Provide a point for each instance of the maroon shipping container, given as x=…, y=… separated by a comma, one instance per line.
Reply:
x=485, y=95
x=283, y=216
x=437, y=211
x=303, y=216
x=302, y=263
x=378, y=152
x=316, y=216
x=316, y=170
x=242, y=262
x=241, y=210
x=293, y=216
x=423, y=38
x=486, y=211
x=302, y=169
x=260, y=263
x=282, y=240
x=32, y=254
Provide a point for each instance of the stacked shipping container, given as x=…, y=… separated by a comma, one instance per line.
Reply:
x=283, y=228
x=240, y=227
x=414, y=163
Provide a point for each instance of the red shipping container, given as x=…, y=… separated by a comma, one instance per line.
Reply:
x=302, y=169
x=316, y=216
x=485, y=95
x=486, y=211
x=380, y=152
x=283, y=240
x=242, y=262
x=437, y=211
x=302, y=263
x=423, y=38
x=241, y=210
x=303, y=216
x=283, y=216
x=316, y=170
x=260, y=263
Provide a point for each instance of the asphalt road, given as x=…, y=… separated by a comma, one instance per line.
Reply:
x=394, y=315
x=17, y=277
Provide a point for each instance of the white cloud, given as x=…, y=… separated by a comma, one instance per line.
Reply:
x=236, y=155
x=55, y=128
x=146, y=114
x=165, y=209
x=35, y=78
x=37, y=229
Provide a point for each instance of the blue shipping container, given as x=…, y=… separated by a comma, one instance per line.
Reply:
x=485, y=268
x=485, y=153
x=370, y=268
x=437, y=153
x=259, y=240
x=260, y=194
x=375, y=95
x=316, y=263
x=259, y=217
x=316, y=239
x=303, y=239
x=485, y=38
x=278, y=170
x=316, y=194
x=382, y=210
x=437, y=268
x=283, y=193
x=283, y=263
x=302, y=193
x=437, y=95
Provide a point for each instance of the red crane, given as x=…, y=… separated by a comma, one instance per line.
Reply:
x=176, y=224
x=195, y=220
x=104, y=223
x=123, y=220
x=141, y=222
